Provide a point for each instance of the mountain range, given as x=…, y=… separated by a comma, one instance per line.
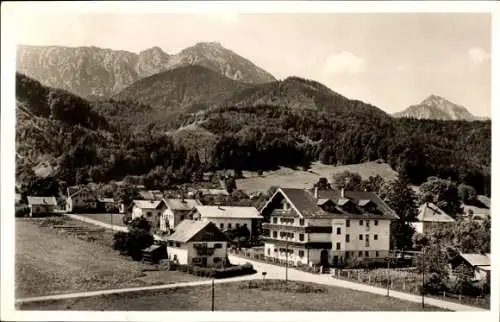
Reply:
x=93, y=72
x=437, y=108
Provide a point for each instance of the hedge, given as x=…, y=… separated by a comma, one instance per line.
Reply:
x=245, y=269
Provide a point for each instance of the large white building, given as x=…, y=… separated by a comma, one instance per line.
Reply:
x=326, y=227
x=228, y=218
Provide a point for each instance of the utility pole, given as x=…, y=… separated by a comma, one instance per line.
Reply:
x=213, y=295
x=286, y=264
x=388, y=275
x=423, y=276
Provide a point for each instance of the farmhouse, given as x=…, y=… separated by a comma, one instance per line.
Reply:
x=152, y=210
x=431, y=218
x=227, y=218
x=80, y=199
x=326, y=227
x=177, y=210
x=41, y=205
x=478, y=262
x=197, y=242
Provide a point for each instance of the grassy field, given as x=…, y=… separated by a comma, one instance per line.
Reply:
x=111, y=219
x=286, y=177
x=61, y=260
x=255, y=295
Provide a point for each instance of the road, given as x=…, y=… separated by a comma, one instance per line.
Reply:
x=274, y=271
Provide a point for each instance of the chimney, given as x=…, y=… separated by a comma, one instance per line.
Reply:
x=316, y=192
x=342, y=192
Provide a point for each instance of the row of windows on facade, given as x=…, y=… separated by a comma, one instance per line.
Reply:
x=229, y=226
x=177, y=244
x=301, y=236
x=301, y=252
x=302, y=222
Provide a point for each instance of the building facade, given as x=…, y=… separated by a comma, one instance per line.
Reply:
x=149, y=209
x=431, y=218
x=228, y=218
x=81, y=199
x=177, y=210
x=41, y=206
x=197, y=243
x=326, y=227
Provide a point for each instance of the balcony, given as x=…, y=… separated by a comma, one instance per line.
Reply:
x=310, y=245
x=284, y=213
x=307, y=229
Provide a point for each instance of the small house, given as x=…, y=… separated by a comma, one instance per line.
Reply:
x=431, y=218
x=42, y=206
x=154, y=253
x=152, y=210
x=177, y=210
x=81, y=199
x=480, y=263
x=197, y=243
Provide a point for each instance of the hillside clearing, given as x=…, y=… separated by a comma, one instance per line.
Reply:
x=258, y=295
x=286, y=177
x=56, y=261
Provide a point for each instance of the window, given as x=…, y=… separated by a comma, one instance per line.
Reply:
x=347, y=238
x=367, y=254
x=275, y=220
x=301, y=237
x=217, y=245
x=170, y=243
x=269, y=251
x=275, y=234
x=376, y=223
x=360, y=237
x=360, y=254
x=361, y=222
x=149, y=214
x=244, y=225
x=348, y=223
x=275, y=250
x=367, y=241
x=301, y=222
x=216, y=260
x=376, y=253
x=221, y=226
x=182, y=218
x=338, y=246
x=229, y=226
x=177, y=244
x=301, y=253
x=338, y=231
x=375, y=237
x=237, y=225
x=290, y=251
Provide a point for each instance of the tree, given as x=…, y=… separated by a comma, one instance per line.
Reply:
x=230, y=184
x=467, y=194
x=373, y=183
x=402, y=199
x=136, y=239
x=323, y=184
x=444, y=194
x=420, y=240
x=347, y=180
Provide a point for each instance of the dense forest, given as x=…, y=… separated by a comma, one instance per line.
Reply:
x=98, y=142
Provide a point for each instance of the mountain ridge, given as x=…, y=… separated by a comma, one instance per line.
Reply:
x=93, y=72
x=437, y=108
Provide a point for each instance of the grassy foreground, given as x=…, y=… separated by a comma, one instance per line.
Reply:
x=60, y=260
x=257, y=295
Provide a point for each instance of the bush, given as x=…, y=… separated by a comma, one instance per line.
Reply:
x=213, y=272
x=22, y=211
x=120, y=241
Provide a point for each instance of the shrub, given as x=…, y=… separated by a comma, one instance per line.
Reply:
x=22, y=211
x=120, y=241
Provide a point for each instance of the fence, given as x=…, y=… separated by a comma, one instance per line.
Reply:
x=404, y=280
x=260, y=257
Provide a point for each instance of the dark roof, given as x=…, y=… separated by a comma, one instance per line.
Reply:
x=307, y=205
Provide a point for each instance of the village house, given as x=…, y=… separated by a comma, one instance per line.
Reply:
x=479, y=263
x=431, y=218
x=41, y=206
x=197, y=242
x=177, y=210
x=81, y=199
x=326, y=227
x=227, y=218
x=152, y=210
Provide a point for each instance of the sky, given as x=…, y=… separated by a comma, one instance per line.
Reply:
x=391, y=60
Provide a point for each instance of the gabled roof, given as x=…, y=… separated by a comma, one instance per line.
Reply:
x=39, y=201
x=477, y=259
x=74, y=190
x=429, y=212
x=306, y=204
x=188, y=229
x=148, y=204
x=228, y=212
x=182, y=204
